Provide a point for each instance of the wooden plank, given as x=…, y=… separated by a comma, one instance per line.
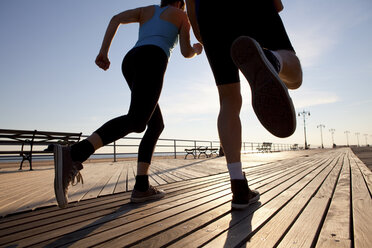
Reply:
x=160, y=222
x=174, y=171
x=303, y=232
x=99, y=184
x=169, y=236
x=88, y=168
x=91, y=174
x=28, y=192
x=51, y=212
x=169, y=172
x=47, y=198
x=128, y=217
x=33, y=227
x=162, y=174
x=335, y=231
x=366, y=172
x=24, y=182
x=131, y=178
x=121, y=184
x=109, y=187
x=272, y=198
x=155, y=176
x=270, y=234
x=361, y=208
x=305, y=187
x=298, y=168
x=193, y=168
x=96, y=226
x=219, y=204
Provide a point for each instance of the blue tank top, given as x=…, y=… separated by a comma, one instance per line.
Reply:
x=158, y=32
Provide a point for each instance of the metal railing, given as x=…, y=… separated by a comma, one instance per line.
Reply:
x=128, y=147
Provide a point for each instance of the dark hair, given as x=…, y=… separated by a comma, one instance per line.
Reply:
x=164, y=3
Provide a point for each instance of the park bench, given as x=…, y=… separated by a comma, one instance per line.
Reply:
x=294, y=147
x=201, y=150
x=264, y=147
x=26, y=140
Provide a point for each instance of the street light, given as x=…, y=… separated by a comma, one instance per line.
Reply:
x=366, y=135
x=321, y=126
x=304, y=113
x=347, y=137
x=357, y=134
x=332, y=130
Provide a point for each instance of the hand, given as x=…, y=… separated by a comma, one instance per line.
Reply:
x=278, y=5
x=198, y=48
x=102, y=61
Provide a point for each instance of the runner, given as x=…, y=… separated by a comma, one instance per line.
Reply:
x=247, y=35
x=143, y=67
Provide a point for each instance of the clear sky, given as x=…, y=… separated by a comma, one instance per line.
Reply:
x=49, y=81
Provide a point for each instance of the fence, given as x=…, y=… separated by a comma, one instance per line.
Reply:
x=176, y=147
x=128, y=147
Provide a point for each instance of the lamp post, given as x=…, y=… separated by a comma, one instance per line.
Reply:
x=321, y=126
x=366, y=135
x=304, y=114
x=332, y=130
x=357, y=134
x=347, y=137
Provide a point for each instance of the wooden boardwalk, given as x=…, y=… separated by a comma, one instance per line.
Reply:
x=315, y=199
x=29, y=190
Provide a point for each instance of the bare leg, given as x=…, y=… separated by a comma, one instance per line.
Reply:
x=229, y=126
x=95, y=140
x=291, y=72
x=142, y=168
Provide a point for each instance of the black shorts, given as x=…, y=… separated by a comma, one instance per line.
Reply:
x=220, y=24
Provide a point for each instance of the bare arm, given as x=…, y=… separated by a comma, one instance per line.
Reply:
x=125, y=17
x=278, y=5
x=187, y=50
x=191, y=12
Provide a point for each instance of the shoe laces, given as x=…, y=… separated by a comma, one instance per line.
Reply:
x=78, y=177
x=75, y=175
x=154, y=189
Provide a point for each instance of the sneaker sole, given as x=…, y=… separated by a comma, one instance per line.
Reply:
x=270, y=99
x=58, y=180
x=149, y=198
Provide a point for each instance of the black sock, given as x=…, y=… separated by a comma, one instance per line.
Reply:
x=142, y=183
x=81, y=151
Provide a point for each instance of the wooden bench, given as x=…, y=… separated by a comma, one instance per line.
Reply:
x=264, y=147
x=201, y=150
x=31, y=138
x=294, y=147
x=213, y=151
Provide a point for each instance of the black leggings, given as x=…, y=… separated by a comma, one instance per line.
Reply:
x=143, y=68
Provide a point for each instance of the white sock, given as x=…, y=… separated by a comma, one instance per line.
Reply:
x=235, y=170
x=277, y=55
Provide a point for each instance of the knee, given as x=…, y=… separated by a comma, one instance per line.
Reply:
x=231, y=103
x=291, y=72
x=295, y=81
x=137, y=125
x=156, y=127
x=139, y=128
x=294, y=85
x=230, y=97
